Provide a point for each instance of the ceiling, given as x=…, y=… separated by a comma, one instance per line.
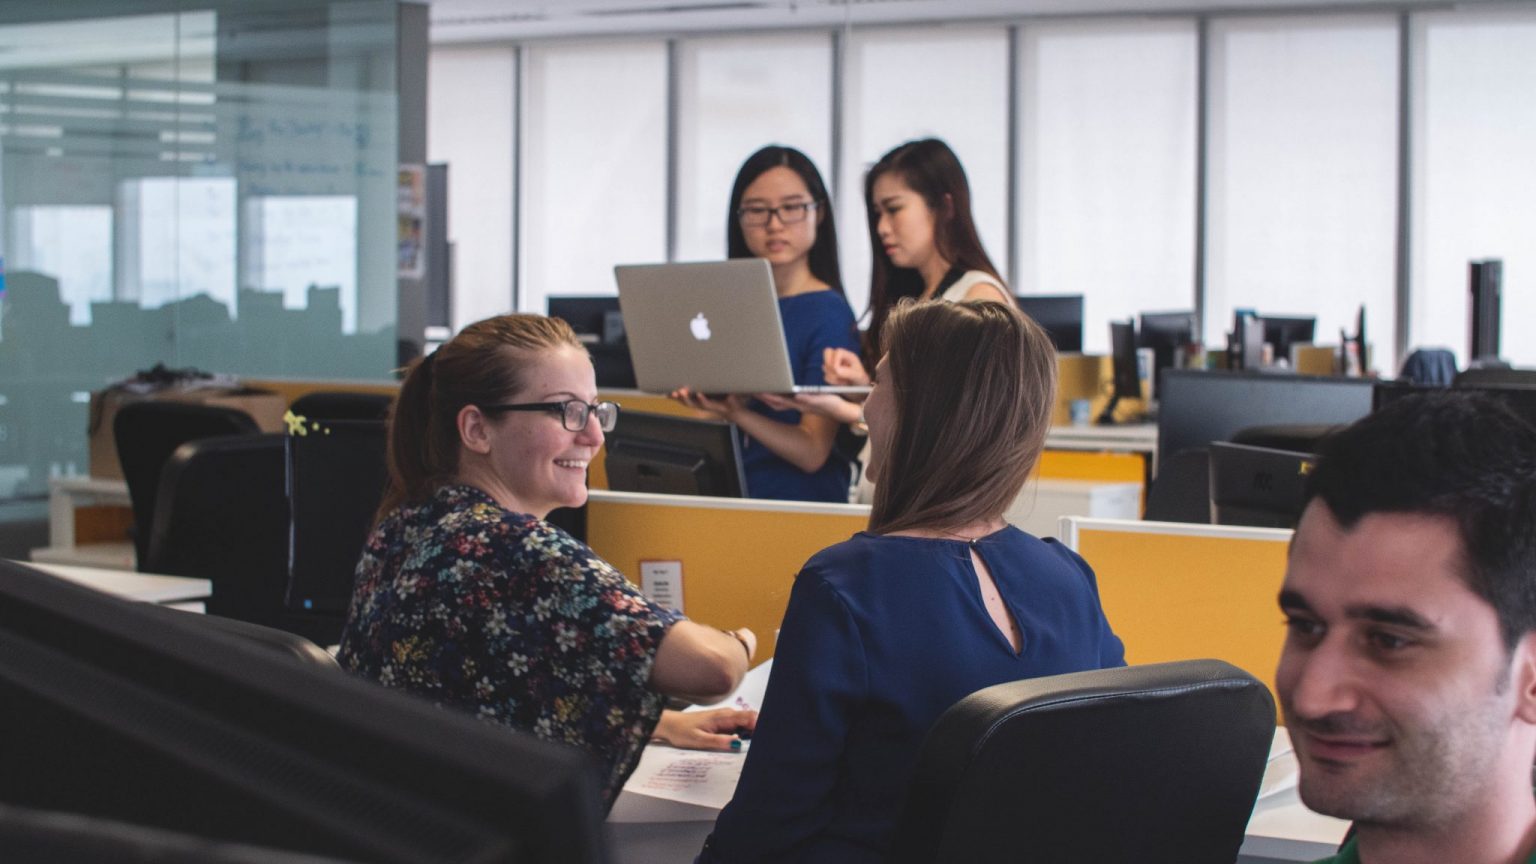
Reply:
x=498, y=20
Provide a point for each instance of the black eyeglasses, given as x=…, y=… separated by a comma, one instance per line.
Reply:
x=574, y=413
x=756, y=216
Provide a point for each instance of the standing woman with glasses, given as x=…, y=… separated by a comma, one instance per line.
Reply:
x=780, y=212
x=466, y=596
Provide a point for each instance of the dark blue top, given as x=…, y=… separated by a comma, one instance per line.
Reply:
x=812, y=321
x=882, y=635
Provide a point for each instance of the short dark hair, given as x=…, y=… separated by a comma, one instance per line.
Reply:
x=1462, y=455
x=823, y=257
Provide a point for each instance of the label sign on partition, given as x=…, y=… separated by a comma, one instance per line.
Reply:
x=662, y=582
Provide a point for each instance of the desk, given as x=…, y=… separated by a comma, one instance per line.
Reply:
x=643, y=829
x=1129, y=438
x=65, y=495
x=177, y=591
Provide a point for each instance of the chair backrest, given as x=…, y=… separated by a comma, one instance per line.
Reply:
x=282, y=642
x=221, y=514
x=147, y=433
x=1160, y=762
x=342, y=405
x=1181, y=492
x=336, y=478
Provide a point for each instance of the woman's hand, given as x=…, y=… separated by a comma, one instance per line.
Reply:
x=726, y=409
x=842, y=367
x=824, y=404
x=705, y=730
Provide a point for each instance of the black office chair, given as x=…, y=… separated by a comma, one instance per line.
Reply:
x=1295, y=437
x=221, y=514
x=147, y=433
x=1150, y=763
x=340, y=405
x=283, y=642
x=1181, y=492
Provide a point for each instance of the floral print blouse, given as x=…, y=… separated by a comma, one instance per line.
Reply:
x=471, y=605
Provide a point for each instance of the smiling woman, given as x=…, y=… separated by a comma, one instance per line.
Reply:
x=466, y=596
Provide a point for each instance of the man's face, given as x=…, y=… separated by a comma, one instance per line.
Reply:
x=1394, y=680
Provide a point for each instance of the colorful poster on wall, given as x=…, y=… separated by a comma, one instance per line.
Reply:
x=412, y=231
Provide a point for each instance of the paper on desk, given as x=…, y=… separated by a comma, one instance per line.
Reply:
x=749, y=695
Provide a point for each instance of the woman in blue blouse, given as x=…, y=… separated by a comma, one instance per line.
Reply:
x=940, y=597
x=780, y=211
x=466, y=596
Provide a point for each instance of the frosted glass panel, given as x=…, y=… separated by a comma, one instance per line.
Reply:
x=594, y=171
x=293, y=243
x=735, y=96
x=75, y=243
x=1475, y=179
x=941, y=83
x=470, y=126
x=1107, y=169
x=1303, y=174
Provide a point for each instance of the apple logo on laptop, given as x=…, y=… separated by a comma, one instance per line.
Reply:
x=700, y=327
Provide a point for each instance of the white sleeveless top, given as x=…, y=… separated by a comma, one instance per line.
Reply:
x=971, y=278
x=864, y=491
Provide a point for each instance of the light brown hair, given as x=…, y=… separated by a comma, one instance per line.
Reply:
x=974, y=384
x=482, y=365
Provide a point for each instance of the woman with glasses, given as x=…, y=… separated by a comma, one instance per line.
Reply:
x=780, y=212
x=466, y=596
x=939, y=598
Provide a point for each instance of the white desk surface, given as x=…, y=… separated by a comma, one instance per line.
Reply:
x=1132, y=437
x=146, y=587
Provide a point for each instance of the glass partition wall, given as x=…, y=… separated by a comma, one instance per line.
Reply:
x=212, y=185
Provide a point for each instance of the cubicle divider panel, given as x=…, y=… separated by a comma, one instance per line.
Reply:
x=738, y=557
x=1174, y=591
x=1088, y=465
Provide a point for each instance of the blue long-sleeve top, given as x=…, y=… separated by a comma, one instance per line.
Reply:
x=882, y=635
x=813, y=321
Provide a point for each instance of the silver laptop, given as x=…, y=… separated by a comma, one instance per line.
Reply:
x=712, y=325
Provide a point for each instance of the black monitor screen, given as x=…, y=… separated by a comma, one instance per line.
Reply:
x=674, y=455
x=1125, y=377
x=1257, y=486
x=595, y=317
x=116, y=711
x=1165, y=333
x=600, y=326
x=1060, y=315
x=1200, y=406
x=336, y=478
x=1285, y=332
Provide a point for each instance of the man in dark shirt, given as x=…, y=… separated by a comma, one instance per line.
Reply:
x=1408, y=677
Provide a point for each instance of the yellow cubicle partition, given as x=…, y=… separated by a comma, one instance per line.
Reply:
x=738, y=557
x=1176, y=591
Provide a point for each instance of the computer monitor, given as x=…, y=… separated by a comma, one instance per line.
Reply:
x=114, y=711
x=1485, y=280
x=600, y=326
x=1519, y=396
x=1165, y=333
x=1282, y=333
x=1125, y=377
x=336, y=478
x=674, y=455
x=1198, y=406
x=1247, y=341
x=1257, y=486
x=1060, y=315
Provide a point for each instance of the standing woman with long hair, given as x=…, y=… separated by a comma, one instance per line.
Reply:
x=780, y=212
x=939, y=598
x=923, y=242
